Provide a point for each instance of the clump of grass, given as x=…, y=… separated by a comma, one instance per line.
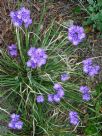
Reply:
x=23, y=84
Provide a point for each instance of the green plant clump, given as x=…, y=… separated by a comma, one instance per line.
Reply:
x=94, y=11
x=21, y=84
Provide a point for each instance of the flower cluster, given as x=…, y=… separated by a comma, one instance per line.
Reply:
x=58, y=95
x=64, y=77
x=76, y=34
x=52, y=97
x=21, y=16
x=85, y=93
x=12, y=50
x=37, y=56
x=73, y=117
x=89, y=68
x=15, y=122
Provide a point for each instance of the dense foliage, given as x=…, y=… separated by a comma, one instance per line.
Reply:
x=46, y=83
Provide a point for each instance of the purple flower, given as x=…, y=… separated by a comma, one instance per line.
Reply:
x=19, y=125
x=50, y=97
x=64, y=77
x=24, y=14
x=74, y=118
x=40, y=99
x=21, y=16
x=38, y=57
x=76, y=34
x=15, y=19
x=84, y=89
x=87, y=61
x=86, y=97
x=57, y=86
x=41, y=62
x=15, y=122
x=15, y=125
x=15, y=117
x=94, y=70
x=56, y=98
x=31, y=51
x=60, y=93
x=28, y=23
x=31, y=64
x=89, y=68
x=11, y=125
x=85, y=93
x=12, y=50
x=40, y=53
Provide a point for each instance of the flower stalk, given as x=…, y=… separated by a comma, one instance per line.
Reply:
x=19, y=46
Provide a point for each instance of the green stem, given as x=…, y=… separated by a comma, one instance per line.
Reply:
x=27, y=39
x=19, y=46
